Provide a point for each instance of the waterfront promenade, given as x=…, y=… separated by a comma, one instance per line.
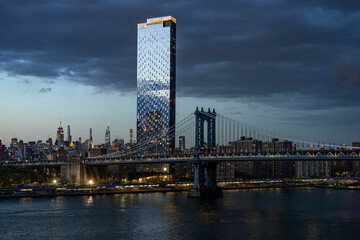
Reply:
x=54, y=191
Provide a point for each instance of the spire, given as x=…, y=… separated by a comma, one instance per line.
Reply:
x=60, y=124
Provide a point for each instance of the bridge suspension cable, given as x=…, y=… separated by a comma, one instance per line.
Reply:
x=154, y=142
x=231, y=130
x=227, y=130
x=180, y=127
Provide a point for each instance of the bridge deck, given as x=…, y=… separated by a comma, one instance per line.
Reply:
x=342, y=155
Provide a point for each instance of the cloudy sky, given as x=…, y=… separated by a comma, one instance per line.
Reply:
x=288, y=66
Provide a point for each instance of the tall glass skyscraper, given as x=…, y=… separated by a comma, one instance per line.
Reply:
x=156, y=53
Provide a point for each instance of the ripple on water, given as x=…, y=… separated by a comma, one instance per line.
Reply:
x=302, y=213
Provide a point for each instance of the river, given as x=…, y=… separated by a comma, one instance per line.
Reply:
x=297, y=213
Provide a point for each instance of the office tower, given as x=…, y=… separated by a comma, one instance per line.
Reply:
x=156, y=53
x=14, y=143
x=131, y=136
x=25, y=155
x=107, y=136
x=118, y=143
x=20, y=144
x=68, y=134
x=182, y=143
x=3, y=152
x=60, y=136
x=89, y=144
x=49, y=142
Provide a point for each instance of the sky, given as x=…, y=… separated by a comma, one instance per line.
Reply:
x=288, y=66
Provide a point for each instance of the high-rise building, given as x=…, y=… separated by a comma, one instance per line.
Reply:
x=3, y=152
x=118, y=143
x=60, y=136
x=107, y=136
x=131, y=136
x=14, y=143
x=156, y=53
x=89, y=144
x=49, y=142
x=182, y=143
x=68, y=134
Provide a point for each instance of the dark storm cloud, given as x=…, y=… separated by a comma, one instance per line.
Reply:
x=341, y=116
x=45, y=90
x=286, y=54
x=348, y=70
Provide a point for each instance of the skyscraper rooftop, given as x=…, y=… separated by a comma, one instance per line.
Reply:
x=156, y=20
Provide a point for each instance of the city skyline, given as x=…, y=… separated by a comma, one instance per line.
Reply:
x=302, y=80
x=147, y=119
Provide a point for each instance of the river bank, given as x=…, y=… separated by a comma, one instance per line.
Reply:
x=337, y=187
x=103, y=190
x=85, y=193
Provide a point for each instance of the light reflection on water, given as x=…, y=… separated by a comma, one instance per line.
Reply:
x=89, y=201
x=302, y=213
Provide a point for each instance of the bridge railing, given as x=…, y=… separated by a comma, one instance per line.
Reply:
x=241, y=156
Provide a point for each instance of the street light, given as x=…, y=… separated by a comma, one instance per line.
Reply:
x=91, y=182
x=54, y=181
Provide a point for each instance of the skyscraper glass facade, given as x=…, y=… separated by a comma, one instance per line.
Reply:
x=156, y=52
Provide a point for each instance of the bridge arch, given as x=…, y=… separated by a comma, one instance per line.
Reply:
x=73, y=179
x=205, y=122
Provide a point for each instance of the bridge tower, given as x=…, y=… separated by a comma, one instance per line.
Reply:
x=200, y=118
x=204, y=171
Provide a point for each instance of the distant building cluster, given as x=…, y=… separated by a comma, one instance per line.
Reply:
x=61, y=149
x=269, y=169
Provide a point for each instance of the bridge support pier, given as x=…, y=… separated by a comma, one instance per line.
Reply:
x=96, y=173
x=205, y=172
x=205, y=181
x=73, y=171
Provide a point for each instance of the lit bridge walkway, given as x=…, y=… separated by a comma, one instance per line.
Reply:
x=320, y=155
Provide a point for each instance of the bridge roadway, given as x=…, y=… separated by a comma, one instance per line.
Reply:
x=301, y=155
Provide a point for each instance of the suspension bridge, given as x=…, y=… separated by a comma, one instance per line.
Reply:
x=212, y=138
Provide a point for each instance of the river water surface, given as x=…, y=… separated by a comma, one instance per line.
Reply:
x=298, y=213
